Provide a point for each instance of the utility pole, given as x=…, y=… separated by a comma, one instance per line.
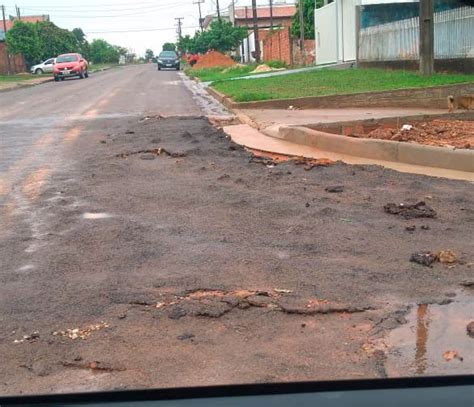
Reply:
x=199, y=2
x=300, y=9
x=18, y=12
x=178, y=19
x=218, y=11
x=255, y=30
x=426, y=37
x=248, y=28
x=271, y=15
x=6, y=48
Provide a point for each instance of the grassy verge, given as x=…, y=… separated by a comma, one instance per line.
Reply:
x=100, y=67
x=220, y=73
x=331, y=82
x=18, y=78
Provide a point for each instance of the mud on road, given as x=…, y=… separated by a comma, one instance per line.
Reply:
x=169, y=256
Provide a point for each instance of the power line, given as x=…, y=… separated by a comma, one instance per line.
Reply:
x=78, y=6
x=118, y=15
x=78, y=10
x=138, y=30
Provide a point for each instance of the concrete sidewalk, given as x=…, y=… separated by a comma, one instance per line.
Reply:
x=262, y=118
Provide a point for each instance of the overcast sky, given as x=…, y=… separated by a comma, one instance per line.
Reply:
x=123, y=22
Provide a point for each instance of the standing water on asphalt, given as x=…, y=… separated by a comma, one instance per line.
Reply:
x=434, y=333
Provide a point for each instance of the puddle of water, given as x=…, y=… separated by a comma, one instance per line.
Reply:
x=90, y=215
x=417, y=347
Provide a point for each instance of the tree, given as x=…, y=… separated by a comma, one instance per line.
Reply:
x=149, y=55
x=187, y=45
x=79, y=34
x=308, y=14
x=169, y=46
x=54, y=40
x=222, y=36
x=103, y=52
x=22, y=38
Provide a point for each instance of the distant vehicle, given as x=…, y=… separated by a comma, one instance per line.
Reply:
x=70, y=65
x=45, y=67
x=168, y=59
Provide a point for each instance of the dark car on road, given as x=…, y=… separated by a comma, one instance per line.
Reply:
x=168, y=60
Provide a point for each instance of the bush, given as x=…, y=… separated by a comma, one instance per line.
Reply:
x=277, y=64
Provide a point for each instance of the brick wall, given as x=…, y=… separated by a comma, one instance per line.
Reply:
x=278, y=46
x=17, y=62
x=310, y=53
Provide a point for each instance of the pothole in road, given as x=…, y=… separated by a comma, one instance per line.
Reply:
x=153, y=152
x=215, y=303
x=434, y=341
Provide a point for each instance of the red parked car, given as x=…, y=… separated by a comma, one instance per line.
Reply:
x=69, y=65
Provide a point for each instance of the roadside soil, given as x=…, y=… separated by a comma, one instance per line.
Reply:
x=10, y=85
x=169, y=256
x=442, y=133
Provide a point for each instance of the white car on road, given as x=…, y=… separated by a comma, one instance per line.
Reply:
x=44, y=67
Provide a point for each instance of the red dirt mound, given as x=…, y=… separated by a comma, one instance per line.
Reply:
x=213, y=59
x=451, y=133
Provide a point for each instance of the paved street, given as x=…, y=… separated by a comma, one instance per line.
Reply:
x=142, y=251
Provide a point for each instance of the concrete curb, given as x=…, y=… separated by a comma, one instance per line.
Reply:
x=394, y=151
x=425, y=97
x=225, y=100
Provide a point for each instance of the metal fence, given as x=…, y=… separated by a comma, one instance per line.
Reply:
x=453, y=37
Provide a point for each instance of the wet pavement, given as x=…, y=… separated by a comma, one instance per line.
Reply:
x=419, y=347
x=139, y=251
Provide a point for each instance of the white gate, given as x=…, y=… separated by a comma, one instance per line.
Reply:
x=325, y=29
x=348, y=30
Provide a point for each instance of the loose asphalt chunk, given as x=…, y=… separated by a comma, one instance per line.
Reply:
x=424, y=258
x=335, y=189
x=418, y=210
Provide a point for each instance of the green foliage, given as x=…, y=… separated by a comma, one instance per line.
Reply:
x=79, y=34
x=308, y=19
x=219, y=73
x=222, y=36
x=187, y=44
x=43, y=40
x=23, y=38
x=149, y=54
x=277, y=64
x=169, y=46
x=103, y=52
x=39, y=41
x=54, y=41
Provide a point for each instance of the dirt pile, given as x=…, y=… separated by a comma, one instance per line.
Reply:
x=265, y=68
x=442, y=133
x=213, y=59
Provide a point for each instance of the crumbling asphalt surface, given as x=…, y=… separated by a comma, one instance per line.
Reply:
x=141, y=251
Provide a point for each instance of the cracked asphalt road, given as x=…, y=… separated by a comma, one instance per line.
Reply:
x=139, y=251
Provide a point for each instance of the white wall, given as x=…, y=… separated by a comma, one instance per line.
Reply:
x=348, y=30
x=335, y=29
x=249, y=47
x=326, y=34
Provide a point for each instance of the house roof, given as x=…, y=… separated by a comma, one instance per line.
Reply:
x=212, y=17
x=264, y=12
x=26, y=19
